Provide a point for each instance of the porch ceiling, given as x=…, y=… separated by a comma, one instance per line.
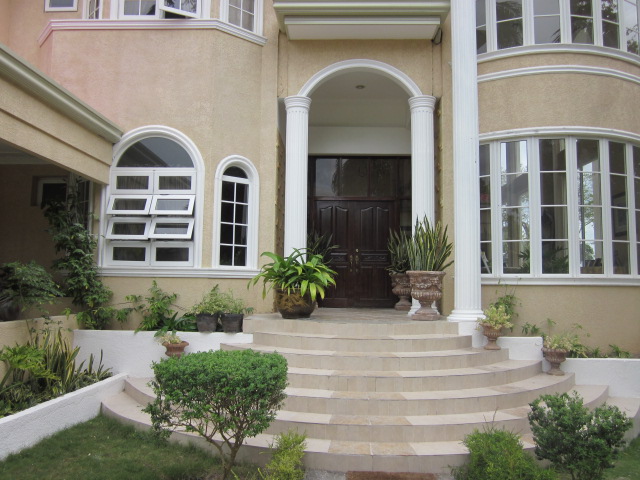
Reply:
x=361, y=19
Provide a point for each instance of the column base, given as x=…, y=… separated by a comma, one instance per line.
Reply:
x=460, y=315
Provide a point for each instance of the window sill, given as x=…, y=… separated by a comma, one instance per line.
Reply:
x=155, y=24
x=602, y=281
x=177, y=272
x=560, y=48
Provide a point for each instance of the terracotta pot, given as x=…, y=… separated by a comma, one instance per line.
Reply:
x=401, y=287
x=175, y=349
x=231, y=322
x=492, y=334
x=555, y=356
x=294, y=305
x=426, y=287
x=207, y=322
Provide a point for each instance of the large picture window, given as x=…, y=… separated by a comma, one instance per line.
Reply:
x=160, y=9
x=503, y=24
x=151, y=206
x=560, y=206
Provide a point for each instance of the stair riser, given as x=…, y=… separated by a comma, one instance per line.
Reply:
x=143, y=397
x=396, y=433
x=464, y=359
x=381, y=383
x=252, y=325
x=361, y=345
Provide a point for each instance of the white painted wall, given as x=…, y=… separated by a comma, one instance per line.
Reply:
x=133, y=353
x=25, y=429
x=359, y=141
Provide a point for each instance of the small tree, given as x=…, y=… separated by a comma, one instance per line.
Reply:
x=286, y=458
x=227, y=395
x=577, y=441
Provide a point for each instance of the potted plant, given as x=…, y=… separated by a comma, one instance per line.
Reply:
x=428, y=253
x=298, y=279
x=556, y=348
x=496, y=318
x=25, y=285
x=398, y=246
x=233, y=312
x=173, y=344
x=208, y=310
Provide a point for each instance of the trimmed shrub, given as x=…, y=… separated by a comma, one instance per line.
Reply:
x=286, y=459
x=577, y=441
x=224, y=396
x=498, y=455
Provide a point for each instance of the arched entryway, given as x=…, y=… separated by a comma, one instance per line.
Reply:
x=359, y=135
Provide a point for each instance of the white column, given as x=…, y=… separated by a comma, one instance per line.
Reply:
x=295, y=191
x=422, y=154
x=467, y=301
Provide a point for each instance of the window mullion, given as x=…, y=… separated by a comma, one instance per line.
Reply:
x=496, y=210
x=565, y=22
x=492, y=41
x=605, y=186
x=573, y=207
x=527, y=23
x=597, y=23
x=535, y=235
x=631, y=209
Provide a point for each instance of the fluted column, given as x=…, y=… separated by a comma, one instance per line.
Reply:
x=295, y=191
x=467, y=300
x=422, y=157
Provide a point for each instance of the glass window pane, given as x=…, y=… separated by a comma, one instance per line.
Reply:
x=485, y=257
x=235, y=172
x=516, y=257
x=485, y=192
x=172, y=182
x=513, y=157
x=129, y=254
x=621, y=258
x=590, y=223
x=242, y=214
x=507, y=9
x=620, y=224
x=226, y=212
x=173, y=204
x=383, y=178
x=515, y=190
x=637, y=189
x=582, y=30
x=248, y=5
x=326, y=177
x=172, y=254
x=481, y=40
x=228, y=191
x=589, y=189
x=555, y=257
x=618, y=190
x=240, y=235
x=155, y=152
x=553, y=188
x=226, y=255
x=631, y=27
x=226, y=233
x=509, y=34
x=481, y=13
x=247, y=21
x=234, y=16
x=610, y=35
x=128, y=228
x=404, y=183
x=547, y=29
x=125, y=204
x=581, y=7
x=554, y=223
x=242, y=193
x=354, y=177
x=588, y=155
x=60, y=3
x=617, y=158
x=240, y=256
x=591, y=258
x=552, y=155
x=485, y=160
x=610, y=10
x=131, y=182
x=515, y=223
x=546, y=7
x=636, y=161
x=485, y=225
x=171, y=228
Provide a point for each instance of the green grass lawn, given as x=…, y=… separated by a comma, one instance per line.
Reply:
x=628, y=464
x=103, y=449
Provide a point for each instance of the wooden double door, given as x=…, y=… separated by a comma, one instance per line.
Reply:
x=360, y=229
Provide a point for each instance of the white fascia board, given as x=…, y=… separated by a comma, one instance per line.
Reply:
x=361, y=28
x=28, y=78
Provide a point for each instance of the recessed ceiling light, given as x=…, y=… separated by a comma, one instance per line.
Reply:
x=359, y=87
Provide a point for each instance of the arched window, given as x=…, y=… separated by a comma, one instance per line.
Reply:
x=236, y=214
x=151, y=207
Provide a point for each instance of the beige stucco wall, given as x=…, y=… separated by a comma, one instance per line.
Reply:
x=608, y=314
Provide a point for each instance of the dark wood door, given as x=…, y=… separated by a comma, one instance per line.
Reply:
x=360, y=229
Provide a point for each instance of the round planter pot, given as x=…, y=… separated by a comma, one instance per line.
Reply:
x=207, y=322
x=492, y=335
x=231, y=322
x=426, y=287
x=294, y=305
x=175, y=349
x=401, y=287
x=555, y=357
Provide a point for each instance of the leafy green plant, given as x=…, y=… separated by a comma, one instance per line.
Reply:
x=498, y=455
x=430, y=248
x=158, y=313
x=617, y=352
x=27, y=285
x=286, y=457
x=82, y=282
x=221, y=395
x=509, y=301
x=167, y=337
x=575, y=440
x=212, y=302
x=496, y=316
x=398, y=246
x=293, y=272
x=233, y=304
x=320, y=244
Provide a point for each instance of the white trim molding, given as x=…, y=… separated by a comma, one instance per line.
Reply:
x=554, y=69
x=156, y=272
x=560, y=131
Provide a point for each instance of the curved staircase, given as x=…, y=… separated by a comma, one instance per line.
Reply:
x=375, y=391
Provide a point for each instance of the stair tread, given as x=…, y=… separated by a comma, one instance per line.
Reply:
x=365, y=337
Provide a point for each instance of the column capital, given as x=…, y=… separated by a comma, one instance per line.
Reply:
x=297, y=101
x=422, y=101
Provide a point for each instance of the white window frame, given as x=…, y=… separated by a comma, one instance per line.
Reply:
x=176, y=236
x=252, y=181
x=174, y=172
x=535, y=237
x=87, y=12
x=112, y=211
x=257, y=16
x=202, y=11
x=565, y=27
x=156, y=198
x=126, y=244
x=119, y=219
x=165, y=244
x=72, y=8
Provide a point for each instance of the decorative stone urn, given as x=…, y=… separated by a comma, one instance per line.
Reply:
x=401, y=287
x=492, y=334
x=426, y=287
x=555, y=356
x=175, y=349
